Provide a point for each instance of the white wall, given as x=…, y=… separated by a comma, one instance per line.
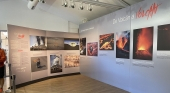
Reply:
x=15, y=12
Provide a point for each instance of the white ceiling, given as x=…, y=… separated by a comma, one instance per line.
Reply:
x=77, y=16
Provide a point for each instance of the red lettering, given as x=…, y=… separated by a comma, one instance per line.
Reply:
x=148, y=13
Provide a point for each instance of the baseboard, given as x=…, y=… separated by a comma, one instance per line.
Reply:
x=46, y=78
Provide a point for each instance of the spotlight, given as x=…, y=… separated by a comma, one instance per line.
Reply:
x=72, y=4
x=65, y=4
x=32, y=4
x=42, y=1
x=89, y=7
x=81, y=6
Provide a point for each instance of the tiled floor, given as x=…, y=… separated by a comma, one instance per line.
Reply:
x=70, y=84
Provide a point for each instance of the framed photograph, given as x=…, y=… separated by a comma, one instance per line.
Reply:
x=56, y=63
x=143, y=43
x=106, y=41
x=92, y=49
x=122, y=44
x=38, y=43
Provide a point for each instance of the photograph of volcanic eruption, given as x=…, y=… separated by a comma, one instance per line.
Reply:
x=71, y=43
x=122, y=44
x=55, y=43
x=163, y=38
x=107, y=41
x=92, y=49
x=56, y=63
x=82, y=46
x=38, y=43
x=143, y=43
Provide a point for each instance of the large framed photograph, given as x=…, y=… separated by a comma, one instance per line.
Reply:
x=143, y=43
x=163, y=38
x=38, y=43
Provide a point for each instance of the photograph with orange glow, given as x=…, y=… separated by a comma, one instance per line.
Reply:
x=71, y=61
x=82, y=46
x=163, y=38
x=143, y=43
x=107, y=41
x=122, y=44
x=92, y=49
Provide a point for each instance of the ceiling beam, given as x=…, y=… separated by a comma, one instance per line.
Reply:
x=124, y=2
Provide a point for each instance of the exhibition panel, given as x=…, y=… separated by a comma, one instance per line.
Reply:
x=113, y=35
x=36, y=54
x=133, y=49
x=150, y=60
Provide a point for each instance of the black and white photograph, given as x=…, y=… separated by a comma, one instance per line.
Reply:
x=38, y=43
x=56, y=63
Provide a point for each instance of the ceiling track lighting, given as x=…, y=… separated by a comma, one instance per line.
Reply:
x=89, y=7
x=71, y=4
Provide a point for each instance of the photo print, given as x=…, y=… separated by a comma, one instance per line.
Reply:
x=122, y=44
x=38, y=63
x=56, y=63
x=143, y=43
x=92, y=49
x=163, y=38
x=107, y=41
x=55, y=43
x=71, y=61
x=38, y=43
x=82, y=46
x=71, y=43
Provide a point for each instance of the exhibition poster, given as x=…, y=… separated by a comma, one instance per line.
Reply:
x=106, y=41
x=143, y=43
x=122, y=44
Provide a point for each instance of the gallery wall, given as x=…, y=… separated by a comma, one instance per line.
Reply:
x=133, y=50
x=35, y=54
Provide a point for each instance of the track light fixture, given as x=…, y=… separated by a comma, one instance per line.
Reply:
x=72, y=4
x=65, y=4
x=42, y=1
x=89, y=7
x=81, y=6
